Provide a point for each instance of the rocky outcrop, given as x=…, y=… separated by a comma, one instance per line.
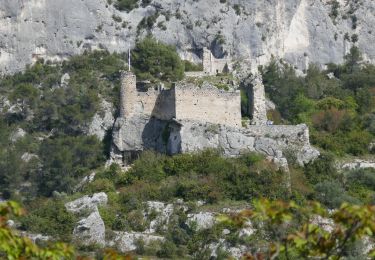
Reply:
x=127, y=241
x=299, y=31
x=17, y=134
x=87, y=203
x=357, y=164
x=90, y=230
x=102, y=121
x=185, y=136
x=201, y=220
x=163, y=212
x=190, y=136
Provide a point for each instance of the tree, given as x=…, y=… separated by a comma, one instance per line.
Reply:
x=153, y=60
x=65, y=159
x=353, y=59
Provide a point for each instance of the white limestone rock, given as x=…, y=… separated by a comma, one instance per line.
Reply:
x=27, y=157
x=35, y=238
x=87, y=203
x=270, y=105
x=126, y=241
x=86, y=180
x=17, y=135
x=102, y=121
x=163, y=211
x=358, y=164
x=64, y=81
x=202, y=220
x=298, y=31
x=90, y=230
x=307, y=154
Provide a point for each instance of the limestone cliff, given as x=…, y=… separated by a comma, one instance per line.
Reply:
x=300, y=31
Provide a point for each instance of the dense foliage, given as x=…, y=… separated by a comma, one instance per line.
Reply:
x=153, y=60
x=337, y=103
x=54, y=103
x=294, y=232
x=54, y=115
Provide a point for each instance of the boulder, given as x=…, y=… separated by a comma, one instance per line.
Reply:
x=90, y=230
x=64, y=81
x=26, y=157
x=87, y=203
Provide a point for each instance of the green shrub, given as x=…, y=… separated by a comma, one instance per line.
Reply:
x=156, y=61
x=189, y=66
x=332, y=194
x=67, y=159
x=49, y=218
x=126, y=5
x=101, y=185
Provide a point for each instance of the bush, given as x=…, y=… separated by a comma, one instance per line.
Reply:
x=322, y=169
x=49, y=218
x=189, y=66
x=101, y=185
x=126, y=5
x=332, y=194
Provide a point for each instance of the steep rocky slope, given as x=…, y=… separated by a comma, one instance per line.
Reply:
x=301, y=31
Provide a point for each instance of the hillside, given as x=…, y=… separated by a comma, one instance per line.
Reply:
x=243, y=129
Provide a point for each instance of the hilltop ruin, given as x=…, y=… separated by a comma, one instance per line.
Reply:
x=188, y=118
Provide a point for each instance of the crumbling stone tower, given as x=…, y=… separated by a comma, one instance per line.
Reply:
x=259, y=99
x=207, y=61
x=128, y=94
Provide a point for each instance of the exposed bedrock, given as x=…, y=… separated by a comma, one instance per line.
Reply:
x=300, y=31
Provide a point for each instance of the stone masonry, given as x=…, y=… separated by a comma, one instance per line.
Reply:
x=211, y=65
x=188, y=118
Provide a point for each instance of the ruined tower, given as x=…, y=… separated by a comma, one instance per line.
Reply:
x=128, y=94
x=259, y=110
x=207, y=61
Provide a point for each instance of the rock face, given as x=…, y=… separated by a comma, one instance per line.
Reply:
x=202, y=220
x=102, y=121
x=190, y=136
x=300, y=31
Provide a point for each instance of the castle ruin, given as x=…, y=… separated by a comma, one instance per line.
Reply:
x=211, y=65
x=188, y=118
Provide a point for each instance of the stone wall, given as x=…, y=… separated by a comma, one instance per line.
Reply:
x=157, y=103
x=213, y=66
x=208, y=104
x=183, y=102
